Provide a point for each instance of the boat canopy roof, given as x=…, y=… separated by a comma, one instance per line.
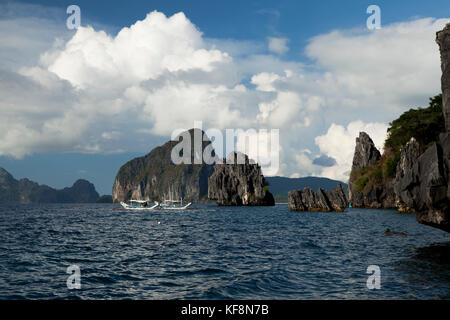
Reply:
x=138, y=201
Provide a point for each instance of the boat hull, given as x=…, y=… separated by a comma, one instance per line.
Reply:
x=168, y=207
x=130, y=207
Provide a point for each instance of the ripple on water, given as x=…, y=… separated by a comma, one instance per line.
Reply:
x=217, y=253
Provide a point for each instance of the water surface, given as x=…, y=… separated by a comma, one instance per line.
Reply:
x=218, y=253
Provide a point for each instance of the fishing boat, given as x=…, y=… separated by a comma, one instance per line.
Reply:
x=173, y=205
x=139, y=205
x=170, y=204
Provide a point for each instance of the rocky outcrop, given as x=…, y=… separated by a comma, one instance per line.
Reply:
x=366, y=154
x=363, y=192
x=239, y=184
x=156, y=177
x=421, y=183
x=433, y=201
x=324, y=201
x=27, y=191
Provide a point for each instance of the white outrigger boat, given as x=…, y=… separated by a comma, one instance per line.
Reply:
x=139, y=205
x=173, y=205
x=169, y=204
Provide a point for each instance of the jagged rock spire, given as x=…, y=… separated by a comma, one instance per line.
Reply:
x=366, y=154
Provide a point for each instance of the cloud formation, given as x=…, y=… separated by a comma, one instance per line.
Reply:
x=94, y=92
x=278, y=45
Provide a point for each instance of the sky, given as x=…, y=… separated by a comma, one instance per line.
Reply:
x=80, y=103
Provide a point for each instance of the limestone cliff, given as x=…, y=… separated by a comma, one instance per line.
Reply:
x=234, y=184
x=406, y=180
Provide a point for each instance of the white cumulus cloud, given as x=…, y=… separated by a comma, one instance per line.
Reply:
x=143, y=51
x=278, y=45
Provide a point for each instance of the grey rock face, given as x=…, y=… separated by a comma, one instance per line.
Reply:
x=378, y=197
x=443, y=40
x=433, y=196
x=421, y=182
x=366, y=154
x=233, y=184
x=406, y=179
x=323, y=201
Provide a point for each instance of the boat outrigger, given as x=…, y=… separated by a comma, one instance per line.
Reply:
x=139, y=205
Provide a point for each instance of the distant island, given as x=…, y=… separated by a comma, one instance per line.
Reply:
x=27, y=191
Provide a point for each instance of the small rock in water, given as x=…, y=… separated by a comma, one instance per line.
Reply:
x=388, y=231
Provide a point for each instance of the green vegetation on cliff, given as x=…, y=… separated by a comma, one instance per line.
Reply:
x=424, y=124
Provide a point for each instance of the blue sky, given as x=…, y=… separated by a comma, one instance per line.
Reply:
x=255, y=20
x=332, y=88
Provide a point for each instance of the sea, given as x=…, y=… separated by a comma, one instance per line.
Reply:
x=98, y=251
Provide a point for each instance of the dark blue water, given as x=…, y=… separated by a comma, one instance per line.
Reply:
x=218, y=253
